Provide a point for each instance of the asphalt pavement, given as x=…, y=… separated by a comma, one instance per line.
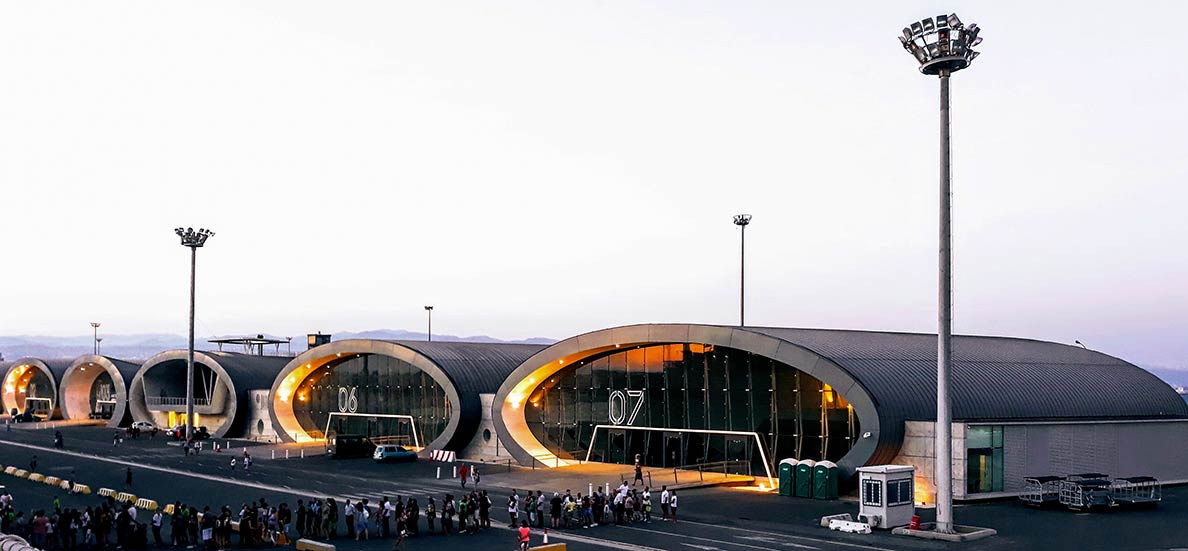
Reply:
x=712, y=519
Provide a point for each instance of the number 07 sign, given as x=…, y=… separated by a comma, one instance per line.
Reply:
x=620, y=400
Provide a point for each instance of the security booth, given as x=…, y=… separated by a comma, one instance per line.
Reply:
x=887, y=495
x=1039, y=491
x=804, y=478
x=788, y=476
x=825, y=480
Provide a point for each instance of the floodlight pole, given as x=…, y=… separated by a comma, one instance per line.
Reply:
x=193, y=240
x=742, y=220
x=95, y=327
x=944, y=347
x=429, y=335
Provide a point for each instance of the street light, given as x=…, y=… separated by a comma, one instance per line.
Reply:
x=741, y=220
x=943, y=45
x=193, y=240
x=98, y=340
x=429, y=309
x=95, y=326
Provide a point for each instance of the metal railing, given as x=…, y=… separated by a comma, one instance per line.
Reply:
x=174, y=401
x=727, y=468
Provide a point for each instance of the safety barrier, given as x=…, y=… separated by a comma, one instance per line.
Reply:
x=146, y=504
x=81, y=489
x=10, y=469
x=124, y=497
x=548, y=547
x=21, y=473
x=106, y=492
x=52, y=480
x=311, y=545
x=168, y=510
x=442, y=455
x=36, y=477
x=65, y=485
x=9, y=542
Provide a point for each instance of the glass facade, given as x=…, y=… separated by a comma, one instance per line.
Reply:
x=360, y=390
x=688, y=386
x=983, y=455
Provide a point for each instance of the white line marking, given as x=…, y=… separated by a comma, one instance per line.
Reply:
x=699, y=538
x=779, y=535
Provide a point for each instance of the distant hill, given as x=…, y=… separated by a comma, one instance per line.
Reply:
x=143, y=346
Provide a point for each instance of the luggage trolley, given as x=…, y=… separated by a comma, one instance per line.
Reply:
x=1039, y=491
x=1085, y=491
x=1137, y=491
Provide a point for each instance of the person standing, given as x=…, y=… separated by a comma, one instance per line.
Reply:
x=524, y=535
x=33, y=464
x=474, y=475
x=232, y=464
x=672, y=505
x=349, y=511
x=385, y=517
x=300, y=519
x=447, y=514
x=638, y=472
x=430, y=513
x=463, y=474
x=513, y=507
x=664, y=497
x=484, y=509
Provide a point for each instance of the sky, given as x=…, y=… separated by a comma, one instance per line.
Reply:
x=543, y=168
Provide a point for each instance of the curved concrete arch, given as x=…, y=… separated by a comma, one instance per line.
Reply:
x=137, y=400
x=75, y=389
x=517, y=438
x=12, y=389
x=297, y=370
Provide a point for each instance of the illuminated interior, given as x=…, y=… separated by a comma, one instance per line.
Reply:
x=158, y=393
x=374, y=389
x=29, y=388
x=681, y=386
x=93, y=388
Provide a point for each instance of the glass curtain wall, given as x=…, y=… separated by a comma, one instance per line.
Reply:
x=362, y=389
x=688, y=386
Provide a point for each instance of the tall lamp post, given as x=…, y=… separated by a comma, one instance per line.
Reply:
x=741, y=220
x=193, y=240
x=95, y=326
x=429, y=310
x=98, y=341
x=943, y=45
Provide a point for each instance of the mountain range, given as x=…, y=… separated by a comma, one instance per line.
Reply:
x=143, y=346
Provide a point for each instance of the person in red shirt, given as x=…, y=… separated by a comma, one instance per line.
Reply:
x=523, y=534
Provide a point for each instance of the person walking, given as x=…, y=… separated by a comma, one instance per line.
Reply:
x=664, y=497
x=33, y=464
x=474, y=475
x=672, y=505
x=638, y=472
x=463, y=474
x=232, y=464
x=430, y=513
x=524, y=535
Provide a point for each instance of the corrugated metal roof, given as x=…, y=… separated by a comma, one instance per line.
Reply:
x=993, y=379
x=474, y=368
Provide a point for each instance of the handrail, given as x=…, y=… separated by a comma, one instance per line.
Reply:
x=174, y=401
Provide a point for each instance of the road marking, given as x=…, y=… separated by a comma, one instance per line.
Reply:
x=705, y=547
x=698, y=538
x=779, y=535
x=776, y=541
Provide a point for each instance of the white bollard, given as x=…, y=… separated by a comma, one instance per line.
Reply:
x=606, y=490
x=439, y=473
x=590, y=489
x=286, y=453
x=455, y=472
x=302, y=453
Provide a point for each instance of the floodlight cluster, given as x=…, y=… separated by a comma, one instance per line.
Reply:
x=942, y=43
x=191, y=238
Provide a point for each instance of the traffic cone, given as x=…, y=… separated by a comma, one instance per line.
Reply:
x=546, y=536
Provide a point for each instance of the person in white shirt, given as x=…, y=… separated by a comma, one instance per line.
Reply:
x=664, y=498
x=672, y=505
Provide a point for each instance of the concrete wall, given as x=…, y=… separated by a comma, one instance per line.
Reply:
x=259, y=421
x=480, y=448
x=1131, y=448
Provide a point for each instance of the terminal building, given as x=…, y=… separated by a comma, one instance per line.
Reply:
x=681, y=395
x=96, y=387
x=224, y=383
x=427, y=395
x=31, y=386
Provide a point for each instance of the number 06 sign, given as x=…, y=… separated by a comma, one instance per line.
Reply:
x=619, y=401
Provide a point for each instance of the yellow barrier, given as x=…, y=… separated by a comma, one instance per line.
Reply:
x=106, y=492
x=10, y=470
x=146, y=504
x=549, y=547
x=168, y=510
x=21, y=473
x=53, y=480
x=81, y=489
x=311, y=545
x=124, y=497
x=36, y=477
x=65, y=485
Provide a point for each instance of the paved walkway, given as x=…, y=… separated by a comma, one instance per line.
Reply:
x=582, y=477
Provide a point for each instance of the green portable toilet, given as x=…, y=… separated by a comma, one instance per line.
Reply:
x=825, y=480
x=788, y=476
x=804, y=478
